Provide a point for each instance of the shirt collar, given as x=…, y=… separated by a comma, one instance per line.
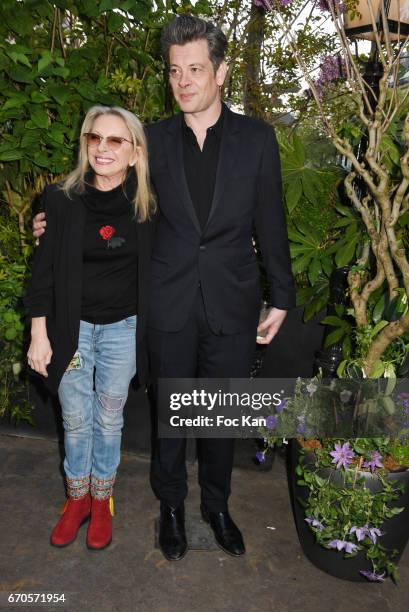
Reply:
x=215, y=128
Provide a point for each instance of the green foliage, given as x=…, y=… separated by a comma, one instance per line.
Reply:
x=57, y=59
x=13, y=273
x=323, y=233
x=381, y=311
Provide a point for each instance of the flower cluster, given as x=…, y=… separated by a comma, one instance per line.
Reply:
x=361, y=533
x=337, y=5
x=374, y=462
x=268, y=4
x=325, y=5
x=373, y=533
x=333, y=68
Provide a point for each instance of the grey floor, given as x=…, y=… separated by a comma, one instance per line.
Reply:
x=132, y=574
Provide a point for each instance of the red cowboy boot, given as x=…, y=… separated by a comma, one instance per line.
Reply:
x=99, y=534
x=74, y=514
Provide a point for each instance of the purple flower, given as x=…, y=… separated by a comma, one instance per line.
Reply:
x=281, y=406
x=349, y=547
x=266, y=4
x=271, y=421
x=373, y=534
x=342, y=455
x=301, y=424
x=332, y=68
x=337, y=4
x=260, y=457
x=360, y=532
x=314, y=523
x=374, y=461
x=372, y=576
x=404, y=399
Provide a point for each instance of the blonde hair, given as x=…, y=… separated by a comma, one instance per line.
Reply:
x=144, y=201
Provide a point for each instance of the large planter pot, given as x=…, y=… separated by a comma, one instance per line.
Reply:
x=396, y=529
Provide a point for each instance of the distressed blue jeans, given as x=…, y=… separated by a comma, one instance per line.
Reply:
x=92, y=394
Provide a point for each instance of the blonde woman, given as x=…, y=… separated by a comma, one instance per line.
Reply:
x=87, y=300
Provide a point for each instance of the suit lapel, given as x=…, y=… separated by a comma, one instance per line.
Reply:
x=174, y=153
x=227, y=157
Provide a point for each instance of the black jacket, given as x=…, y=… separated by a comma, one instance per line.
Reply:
x=56, y=283
x=222, y=257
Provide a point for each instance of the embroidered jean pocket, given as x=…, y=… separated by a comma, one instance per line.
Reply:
x=76, y=362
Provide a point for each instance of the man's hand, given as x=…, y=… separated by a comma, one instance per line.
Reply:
x=271, y=325
x=39, y=224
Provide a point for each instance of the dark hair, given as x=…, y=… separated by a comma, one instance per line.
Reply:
x=187, y=28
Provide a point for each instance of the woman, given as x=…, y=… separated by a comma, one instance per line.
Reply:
x=88, y=287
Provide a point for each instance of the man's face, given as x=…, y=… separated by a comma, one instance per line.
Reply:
x=194, y=83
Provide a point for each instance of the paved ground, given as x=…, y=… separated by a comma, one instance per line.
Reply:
x=131, y=575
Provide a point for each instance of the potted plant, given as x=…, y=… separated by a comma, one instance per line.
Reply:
x=350, y=503
x=350, y=494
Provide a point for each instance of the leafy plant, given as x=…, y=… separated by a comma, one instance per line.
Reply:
x=13, y=273
x=56, y=60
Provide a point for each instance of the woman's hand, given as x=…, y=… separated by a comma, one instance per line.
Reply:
x=39, y=224
x=40, y=352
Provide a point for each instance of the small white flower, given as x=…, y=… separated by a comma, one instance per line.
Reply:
x=311, y=388
x=344, y=396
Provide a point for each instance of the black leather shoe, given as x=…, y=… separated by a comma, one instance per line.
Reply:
x=226, y=532
x=172, y=535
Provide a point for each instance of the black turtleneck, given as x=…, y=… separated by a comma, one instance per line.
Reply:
x=109, y=280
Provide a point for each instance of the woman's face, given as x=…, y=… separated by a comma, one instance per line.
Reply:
x=110, y=165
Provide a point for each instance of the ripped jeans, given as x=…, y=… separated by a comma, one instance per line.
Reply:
x=93, y=414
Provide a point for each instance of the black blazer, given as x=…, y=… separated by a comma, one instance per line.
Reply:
x=56, y=283
x=222, y=257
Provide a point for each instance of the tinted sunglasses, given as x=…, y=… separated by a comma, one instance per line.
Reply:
x=113, y=142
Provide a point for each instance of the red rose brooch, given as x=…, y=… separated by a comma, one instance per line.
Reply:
x=107, y=232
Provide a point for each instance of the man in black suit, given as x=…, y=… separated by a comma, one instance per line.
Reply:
x=216, y=173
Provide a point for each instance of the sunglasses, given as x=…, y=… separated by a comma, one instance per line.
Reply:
x=113, y=142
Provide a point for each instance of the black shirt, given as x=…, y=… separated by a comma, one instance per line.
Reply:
x=109, y=277
x=201, y=166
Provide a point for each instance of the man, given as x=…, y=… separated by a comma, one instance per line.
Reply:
x=216, y=173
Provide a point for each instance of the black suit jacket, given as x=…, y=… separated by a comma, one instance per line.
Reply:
x=55, y=287
x=222, y=257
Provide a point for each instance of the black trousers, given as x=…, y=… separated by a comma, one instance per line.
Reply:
x=195, y=351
